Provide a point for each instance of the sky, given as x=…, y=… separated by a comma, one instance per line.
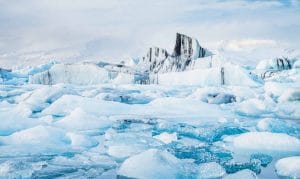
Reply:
x=37, y=31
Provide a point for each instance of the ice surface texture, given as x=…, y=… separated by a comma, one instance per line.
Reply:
x=81, y=120
x=67, y=131
x=288, y=167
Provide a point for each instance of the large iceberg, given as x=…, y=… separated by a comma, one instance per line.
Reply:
x=186, y=51
x=189, y=64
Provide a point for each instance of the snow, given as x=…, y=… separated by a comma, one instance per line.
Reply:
x=288, y=167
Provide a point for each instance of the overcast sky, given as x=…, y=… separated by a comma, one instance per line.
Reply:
x=35, y=31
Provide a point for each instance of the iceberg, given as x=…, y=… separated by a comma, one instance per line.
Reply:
x=186, y=52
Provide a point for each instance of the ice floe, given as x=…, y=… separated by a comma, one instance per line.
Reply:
x=266, y=142
x=288, y=167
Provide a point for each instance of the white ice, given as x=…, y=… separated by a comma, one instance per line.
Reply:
x=266, y=142
x=211, y=170
x=152, y=163
x=166, y=137
x=288, y=167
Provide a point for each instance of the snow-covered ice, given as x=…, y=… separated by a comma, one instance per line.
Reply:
x=71, y=73
x=152, y=163
x=266, y=142
x=211, y=170
x=288, y=167
x=166, y=137
x=190, y=114
x=80, y=121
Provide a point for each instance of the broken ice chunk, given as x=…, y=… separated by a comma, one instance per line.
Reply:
x=154, y=164
x=210, y=170
x=166, y=137
x=288, y=167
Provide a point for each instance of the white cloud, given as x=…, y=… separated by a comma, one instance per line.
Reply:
x=249, y=44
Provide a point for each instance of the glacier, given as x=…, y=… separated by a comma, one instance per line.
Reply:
x=190, y=113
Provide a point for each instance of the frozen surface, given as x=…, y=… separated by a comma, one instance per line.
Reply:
x=166, y=137
x=245, y=174
x=211, y=170
x=88, y=121
x=71, y=73
x=78, y=120
x=288, y=167
x=144, y=164
x=267, y=142
x=233, y=75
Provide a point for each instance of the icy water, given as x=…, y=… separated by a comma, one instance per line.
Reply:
x=110, y=131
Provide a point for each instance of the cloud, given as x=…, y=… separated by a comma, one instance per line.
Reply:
x=111, y=29
x=249, y=44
